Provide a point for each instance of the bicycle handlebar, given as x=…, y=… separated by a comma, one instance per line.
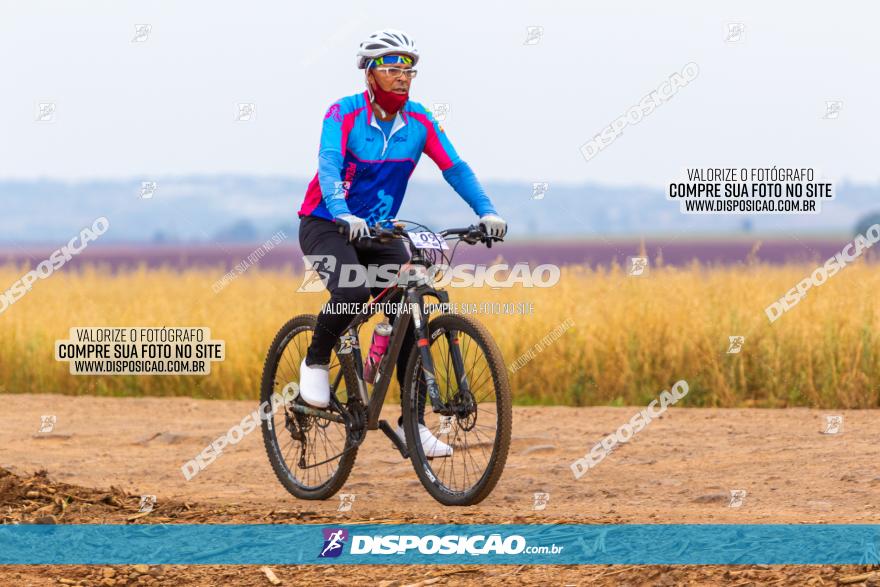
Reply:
x=471, y=235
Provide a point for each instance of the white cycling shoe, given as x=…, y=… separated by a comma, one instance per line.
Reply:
x=433, y=446
x=314, y=384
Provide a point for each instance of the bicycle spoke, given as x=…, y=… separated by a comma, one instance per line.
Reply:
x=292, y=368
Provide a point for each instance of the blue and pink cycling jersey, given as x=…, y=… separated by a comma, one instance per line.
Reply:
x=362, y=171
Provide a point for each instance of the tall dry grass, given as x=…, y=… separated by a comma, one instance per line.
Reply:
x=631, y=338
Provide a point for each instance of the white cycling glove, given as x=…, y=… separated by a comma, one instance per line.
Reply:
x=494, y=225
x=357, y=226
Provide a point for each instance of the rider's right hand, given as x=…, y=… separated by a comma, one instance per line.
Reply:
x=357, y=227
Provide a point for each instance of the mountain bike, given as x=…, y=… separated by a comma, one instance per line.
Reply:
x=455, y=381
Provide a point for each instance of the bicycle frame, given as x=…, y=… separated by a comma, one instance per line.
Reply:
x=414, y=294
x=414, y=299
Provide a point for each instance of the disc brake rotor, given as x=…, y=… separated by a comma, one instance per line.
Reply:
x=465, y=410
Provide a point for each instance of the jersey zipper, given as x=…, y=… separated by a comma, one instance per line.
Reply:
x=385, y=139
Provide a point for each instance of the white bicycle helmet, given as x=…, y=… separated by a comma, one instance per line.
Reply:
x=386, y=42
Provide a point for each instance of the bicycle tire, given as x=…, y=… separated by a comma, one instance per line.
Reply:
x=268, y=384
x=504, y=417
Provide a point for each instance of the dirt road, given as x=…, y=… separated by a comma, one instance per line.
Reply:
x=680, y=469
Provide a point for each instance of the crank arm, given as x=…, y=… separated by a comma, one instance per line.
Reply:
x=395, y=440
x=307, y=411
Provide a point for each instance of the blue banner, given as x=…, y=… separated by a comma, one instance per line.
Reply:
x=279, y=544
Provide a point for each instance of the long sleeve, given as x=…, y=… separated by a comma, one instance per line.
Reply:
x=334, y=136
x=462, y=179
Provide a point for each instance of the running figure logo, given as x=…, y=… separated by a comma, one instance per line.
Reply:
x=833, y=425
x=737, y=497
x=736, y=344
x=541, y=501
x=318, y=269
x=539, y=189
x=47, y=423
x=334, y=540
x=638, y=266
x=147, y=503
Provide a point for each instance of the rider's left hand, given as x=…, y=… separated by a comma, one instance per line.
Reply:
x=494, y=225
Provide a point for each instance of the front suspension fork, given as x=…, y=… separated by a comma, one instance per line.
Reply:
x=420, y=326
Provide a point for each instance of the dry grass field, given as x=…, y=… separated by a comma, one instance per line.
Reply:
x=623, y=338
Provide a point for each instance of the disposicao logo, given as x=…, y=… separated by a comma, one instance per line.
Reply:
x=403, y=544
x=334, y=540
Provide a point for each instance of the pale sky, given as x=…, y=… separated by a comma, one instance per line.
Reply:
x=518, y=112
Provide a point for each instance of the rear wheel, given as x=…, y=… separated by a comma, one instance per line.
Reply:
x=312, y=457
x=478, y=420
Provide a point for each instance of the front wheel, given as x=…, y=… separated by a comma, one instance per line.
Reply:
x=476, y=421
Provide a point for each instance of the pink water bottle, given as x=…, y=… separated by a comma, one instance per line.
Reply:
x=378, y=346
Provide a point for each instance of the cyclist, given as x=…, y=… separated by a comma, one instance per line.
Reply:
x=370, y=145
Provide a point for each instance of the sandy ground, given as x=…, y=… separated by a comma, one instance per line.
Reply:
x=680, y=469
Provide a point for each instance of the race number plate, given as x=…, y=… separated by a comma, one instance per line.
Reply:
x=428, y=240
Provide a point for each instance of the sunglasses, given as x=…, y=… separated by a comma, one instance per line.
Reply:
x=396, y=72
